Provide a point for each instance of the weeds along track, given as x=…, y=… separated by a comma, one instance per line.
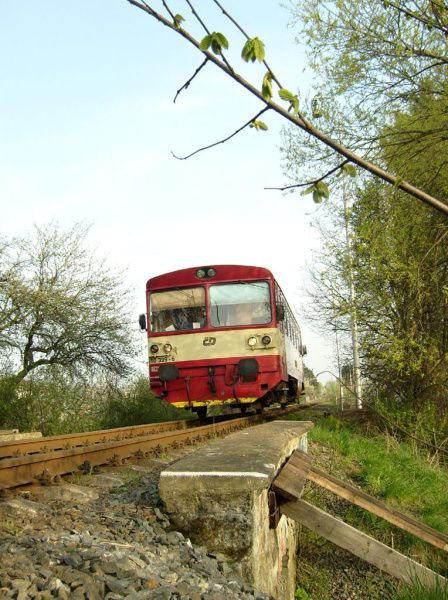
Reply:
x=44, y=459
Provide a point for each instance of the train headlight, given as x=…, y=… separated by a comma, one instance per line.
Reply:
x=211, y=272
x=154, y=348
x=200, y=273
x=167, y=348
x=252, y=341
x=266, y=339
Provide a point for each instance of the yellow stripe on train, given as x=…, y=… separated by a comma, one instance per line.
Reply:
x=212, y=402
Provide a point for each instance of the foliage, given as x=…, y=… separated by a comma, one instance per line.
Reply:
x=136, y=405
x=397, y=256
x=302, y=594
x=375, y=58
x=55, y=404
x=253, y=50
x=61, y=306
x=400, y=263
x=216, y=41
x=387, y=469
x=48, y=403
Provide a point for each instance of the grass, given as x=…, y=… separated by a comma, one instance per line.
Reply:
x=419, y=592
x=388, y=470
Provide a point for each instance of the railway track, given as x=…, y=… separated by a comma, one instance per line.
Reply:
x=45, y=459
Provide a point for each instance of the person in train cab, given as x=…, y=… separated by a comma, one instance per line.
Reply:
x=242, y=314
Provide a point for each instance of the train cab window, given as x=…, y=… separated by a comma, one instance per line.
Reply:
x=242, y=303
x=177, y=310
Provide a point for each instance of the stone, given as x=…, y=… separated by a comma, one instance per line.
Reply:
x=67, y=492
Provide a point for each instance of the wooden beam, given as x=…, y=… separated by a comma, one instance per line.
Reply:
x=360, y=498
x=291, y=480
x=360, y=544
x=299, y=463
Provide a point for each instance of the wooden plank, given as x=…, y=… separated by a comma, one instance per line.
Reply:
x=299, y=458
x=290, y=482
x=360, y=544
x=360, y=498
x=300, y=461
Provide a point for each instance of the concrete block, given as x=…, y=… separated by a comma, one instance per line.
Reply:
x=218, y=496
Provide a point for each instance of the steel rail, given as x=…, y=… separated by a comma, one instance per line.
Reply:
x=46, y=466
x=47, y=458
x=16, y=448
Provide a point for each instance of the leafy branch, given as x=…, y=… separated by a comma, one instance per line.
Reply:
x=290, y=115
x=254, y=122
x=318, y=187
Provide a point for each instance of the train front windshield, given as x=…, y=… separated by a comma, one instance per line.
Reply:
x=231, y=304
x=178, y=309
x=242, y=303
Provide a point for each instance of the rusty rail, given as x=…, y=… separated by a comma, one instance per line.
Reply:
x=47, y=465
x=17, y=448
x=27, y=461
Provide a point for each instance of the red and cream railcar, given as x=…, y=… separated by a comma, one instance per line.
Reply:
x=221, y=334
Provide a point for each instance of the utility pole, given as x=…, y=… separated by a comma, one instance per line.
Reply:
x=341, y=387
x=351, y=283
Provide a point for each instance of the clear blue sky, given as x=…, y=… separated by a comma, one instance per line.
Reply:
x=88, y=126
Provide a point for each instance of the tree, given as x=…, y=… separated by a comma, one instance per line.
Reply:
x=213, y=47
x=400, y=267
x=61, y=306
x=373, y=60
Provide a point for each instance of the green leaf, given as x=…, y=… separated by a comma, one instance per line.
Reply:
x=253, y=50
x=178, y=20
x=349, y=169
x=309, y=190
x=322, y=188
x=217, y=41
x=319, y=190
x=247, y=52
x=285, y=94
x=221, y=39
x=291, y=98
x=294, y=105
x=258, y=49
x=317, y=198
x=266, y=88
x=259, y=125
x=205, y=42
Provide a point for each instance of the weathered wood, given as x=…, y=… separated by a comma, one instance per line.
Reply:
x=360, y=544
x=291, y=480
x=300, y=462
x=299, y=458
x=360, y=498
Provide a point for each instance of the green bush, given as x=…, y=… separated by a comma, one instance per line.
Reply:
x=136, y=405
x=50, y=404
x=55, y=405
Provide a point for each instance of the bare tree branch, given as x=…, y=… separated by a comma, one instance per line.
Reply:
x=225, y=139
x=187, y=83
x=298, y=121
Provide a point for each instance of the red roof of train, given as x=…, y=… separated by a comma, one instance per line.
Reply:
x=185, y=277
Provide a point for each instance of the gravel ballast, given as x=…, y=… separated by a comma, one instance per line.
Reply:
x=107, y=539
